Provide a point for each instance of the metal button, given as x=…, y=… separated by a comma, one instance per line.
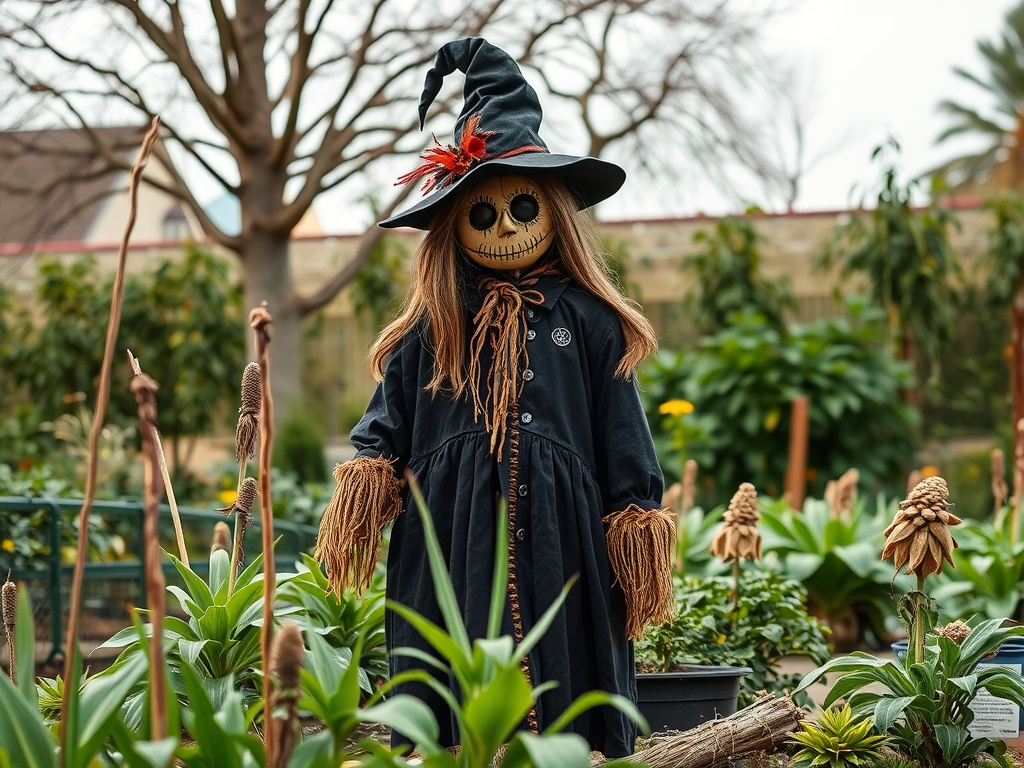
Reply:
x=528, y=374
x=523, y=490
x=530, y=314
x=521, y=534
x=531, y=335
x=526, y=418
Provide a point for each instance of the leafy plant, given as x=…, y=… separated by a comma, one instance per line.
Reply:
x=92, y=714
x=905, y=255
x=769, y=623
x=989, y=567
x=837, y=740
x=742, y=382
x=728, y=280
x=300, y=446
x=345, y=622
x=220, y=638
x=923, y=705
x=836, y=560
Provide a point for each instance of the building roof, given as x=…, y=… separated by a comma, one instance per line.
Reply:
x=53, y=182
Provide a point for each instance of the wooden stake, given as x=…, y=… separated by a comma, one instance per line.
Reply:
x=796, y=470
x=99, y=414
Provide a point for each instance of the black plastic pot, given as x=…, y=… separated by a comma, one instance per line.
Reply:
x=679, y=701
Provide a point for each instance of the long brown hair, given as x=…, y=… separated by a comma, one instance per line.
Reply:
x=440, y=272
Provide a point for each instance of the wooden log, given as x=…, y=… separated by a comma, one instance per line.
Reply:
x=761, y=727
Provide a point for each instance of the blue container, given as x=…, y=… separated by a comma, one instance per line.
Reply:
x=1010, y=652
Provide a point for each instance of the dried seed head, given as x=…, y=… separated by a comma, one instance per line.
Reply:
x=999, y=487
x=221, y=538
x=9, y=601
x=919, y=536
x=246, y=495
x=957, y=631
x=286, y=657
x=248, y=413
x=737, y=538
x=845, y=493
x=672, y=499
x=913, y=479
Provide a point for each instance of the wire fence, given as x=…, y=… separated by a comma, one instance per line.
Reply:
x=113, y=583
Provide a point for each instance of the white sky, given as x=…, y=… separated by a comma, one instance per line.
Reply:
x=863, y=70
x=880, y=68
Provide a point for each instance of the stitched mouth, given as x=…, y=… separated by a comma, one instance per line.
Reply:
x=511, y=252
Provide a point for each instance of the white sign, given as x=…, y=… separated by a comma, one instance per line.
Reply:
x=995, y=718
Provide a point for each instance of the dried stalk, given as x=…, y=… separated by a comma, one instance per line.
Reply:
x=762, y=726
x=144, y=388
x=9, y=608
x=179, y=537
x=284, y=666
x=999, y=489
x=99, y=413
x=260, y=320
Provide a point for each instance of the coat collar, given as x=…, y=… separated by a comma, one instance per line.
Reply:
x=551, y=286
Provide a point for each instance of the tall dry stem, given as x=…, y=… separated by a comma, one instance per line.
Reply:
x=144, y=388
x=100, y=412
x=179, y=536
x=9, y=607
x=260, y=320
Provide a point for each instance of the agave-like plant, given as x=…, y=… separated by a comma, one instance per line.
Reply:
x=220, y=638
x=837, y=740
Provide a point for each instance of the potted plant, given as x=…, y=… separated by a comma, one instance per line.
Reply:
x=727, y=635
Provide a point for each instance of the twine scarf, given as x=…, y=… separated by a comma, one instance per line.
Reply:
x=501, y=323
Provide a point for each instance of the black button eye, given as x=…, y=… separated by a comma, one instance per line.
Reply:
x=524, y=208
x=482, y=216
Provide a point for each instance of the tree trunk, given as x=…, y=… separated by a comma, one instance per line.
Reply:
x=267, y=276
x=1017, y=357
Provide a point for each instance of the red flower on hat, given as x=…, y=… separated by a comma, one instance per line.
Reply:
x=445, y=164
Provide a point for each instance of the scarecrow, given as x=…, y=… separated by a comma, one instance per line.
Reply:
x=510, y=375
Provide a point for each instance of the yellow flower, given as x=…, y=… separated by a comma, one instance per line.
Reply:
x=720, y=639
x=7, y=545
x=676, y=408
x=227, y=498
x=930, y=470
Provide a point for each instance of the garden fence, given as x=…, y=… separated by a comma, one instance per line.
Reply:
x=111, y=587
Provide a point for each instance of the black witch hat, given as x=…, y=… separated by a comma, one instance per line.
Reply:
x=497, y=133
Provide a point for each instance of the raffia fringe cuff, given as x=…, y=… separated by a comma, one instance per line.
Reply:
x=366, y=498
x=641, y=543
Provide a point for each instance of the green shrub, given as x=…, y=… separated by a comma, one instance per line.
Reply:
x=769, y=623
x=742, y=382
x=299, y=447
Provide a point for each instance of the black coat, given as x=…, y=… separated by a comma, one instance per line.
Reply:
x=583, y=450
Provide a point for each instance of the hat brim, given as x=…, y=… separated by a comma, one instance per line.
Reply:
x=589, y=180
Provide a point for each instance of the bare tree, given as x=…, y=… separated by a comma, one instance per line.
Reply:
x=279, y=101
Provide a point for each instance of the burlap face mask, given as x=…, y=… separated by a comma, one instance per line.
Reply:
x=505, y=223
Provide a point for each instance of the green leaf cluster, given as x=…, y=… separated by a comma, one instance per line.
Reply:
x=836, y=559
x=219, y=639
x=837, y=740
x=345, y=622
x=769, y=622
x=742, y=382
x=727, y=278
x=923, y=706
x=989, y=567
x=182, y=319
x=904, y=254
